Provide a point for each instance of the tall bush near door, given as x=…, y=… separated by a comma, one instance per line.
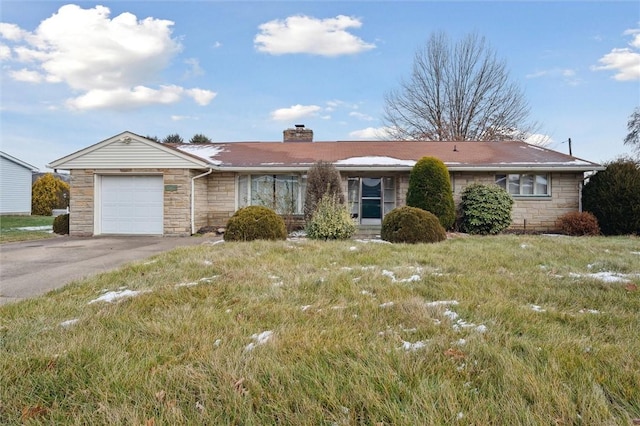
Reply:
x=48, y=193
x=430, y=190
x=613, y=196
x=323, y=179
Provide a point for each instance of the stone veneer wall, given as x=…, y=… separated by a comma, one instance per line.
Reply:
x=540, y=213
x=177, y=204
x=81, y=203
x=221, y=195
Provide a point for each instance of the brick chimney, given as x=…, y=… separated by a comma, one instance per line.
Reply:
x=298, y=134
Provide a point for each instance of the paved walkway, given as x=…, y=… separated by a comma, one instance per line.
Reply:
x=33, y=268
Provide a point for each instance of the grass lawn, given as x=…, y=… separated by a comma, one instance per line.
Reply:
x=10, y=233
x=506, y=330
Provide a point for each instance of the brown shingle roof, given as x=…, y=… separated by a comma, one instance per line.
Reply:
x=387, y=155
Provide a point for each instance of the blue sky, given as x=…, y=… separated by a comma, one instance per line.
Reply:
x=74, y=74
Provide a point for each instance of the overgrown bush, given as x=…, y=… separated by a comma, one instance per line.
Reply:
x=485, y=209
x=61, y=224
x=430, y=190
x=331, y=220
x=412, y=225
x=255, y=223
x=322, y=178
x=578, y=224
x=48, y=193
x=613, y=196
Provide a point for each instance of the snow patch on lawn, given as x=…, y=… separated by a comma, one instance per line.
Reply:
x=69, y=323
x=112, y=296
x=606, y=276
x=258, y=339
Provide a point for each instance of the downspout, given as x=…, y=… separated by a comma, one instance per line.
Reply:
x=193, y=199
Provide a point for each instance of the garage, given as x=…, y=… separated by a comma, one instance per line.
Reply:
x=130, y=204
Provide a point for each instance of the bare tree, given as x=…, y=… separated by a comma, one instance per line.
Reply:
x=455, y=93
x=633, y=127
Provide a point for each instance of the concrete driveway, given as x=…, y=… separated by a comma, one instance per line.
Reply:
x=32, y=268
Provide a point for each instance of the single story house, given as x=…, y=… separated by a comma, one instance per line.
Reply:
x=128, y=184
x=15, y=185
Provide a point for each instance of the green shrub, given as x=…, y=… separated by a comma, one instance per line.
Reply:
x=430, y=190
x=331, y=220
x=322, y=178
x=412, y=225
x=578, y=224
x=61, y=224
x=485, y=209
x=613, y=196
x=255, y=223
x=48, y=193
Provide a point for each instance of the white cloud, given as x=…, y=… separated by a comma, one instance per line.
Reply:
x=568, y=75
x=5, y=52
x=360, y=116
x=26, y=76
x=304, y=34
x=195, y=69
x=370, y=133
x=294, y=112
x=12, y=32
x=183, y=117
x=124, y=98
x=102, y=57
x=201, y=96
x=625, y=61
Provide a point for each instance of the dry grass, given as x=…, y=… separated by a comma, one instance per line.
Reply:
x=354, y=338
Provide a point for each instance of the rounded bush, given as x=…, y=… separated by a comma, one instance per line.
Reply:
x=331, y=221
x=255, y=223
x=412, y=225
x=613, y=196
x=485, y=209
x=61, y=224
x=578, y=224
x=430, y=190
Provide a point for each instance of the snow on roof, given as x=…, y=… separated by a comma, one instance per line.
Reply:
x=373, y=160
x=203, y=151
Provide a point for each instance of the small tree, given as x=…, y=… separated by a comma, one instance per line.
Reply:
x=430, y=190
x=199, y=138
x=613, y=196
x=48, y=193
x=173, y=138
x=323, y=178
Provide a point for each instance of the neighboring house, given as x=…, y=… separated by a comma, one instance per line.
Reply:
x=128, y=184
x=15, y=185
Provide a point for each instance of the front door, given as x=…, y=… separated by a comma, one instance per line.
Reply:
x=371, y=201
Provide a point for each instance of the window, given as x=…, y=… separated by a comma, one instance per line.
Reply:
x=524, y=184
x=282, y=193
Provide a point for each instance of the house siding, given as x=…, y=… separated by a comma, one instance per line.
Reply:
x=135, y=154
x=15, y=188
x=177, y=203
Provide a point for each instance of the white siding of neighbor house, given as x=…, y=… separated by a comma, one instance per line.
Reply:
x=15, y=188
x=134, y=154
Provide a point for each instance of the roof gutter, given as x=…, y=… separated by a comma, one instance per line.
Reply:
x=382, y=168
x=193, y=198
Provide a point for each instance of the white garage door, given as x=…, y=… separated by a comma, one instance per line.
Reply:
x=131, y=205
